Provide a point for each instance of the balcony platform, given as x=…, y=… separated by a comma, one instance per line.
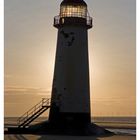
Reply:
x=72, y=21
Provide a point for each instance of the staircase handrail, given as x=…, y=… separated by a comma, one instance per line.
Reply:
x=44, y=102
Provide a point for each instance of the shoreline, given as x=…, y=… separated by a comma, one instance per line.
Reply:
x=120, y=128
x=107, y=125
x=119, y=131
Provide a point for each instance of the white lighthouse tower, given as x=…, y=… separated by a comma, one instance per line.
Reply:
x=71, y=91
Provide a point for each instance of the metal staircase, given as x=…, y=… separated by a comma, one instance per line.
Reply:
x=33, y=113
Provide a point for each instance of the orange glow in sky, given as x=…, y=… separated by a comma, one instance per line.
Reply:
x=30, y=46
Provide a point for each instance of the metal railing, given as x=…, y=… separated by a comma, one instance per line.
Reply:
x=58, y=21
x=45, y=102
x=89, y=21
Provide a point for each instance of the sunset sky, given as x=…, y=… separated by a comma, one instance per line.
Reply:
x=30, y=46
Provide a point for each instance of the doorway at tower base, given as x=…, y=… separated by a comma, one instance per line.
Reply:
x=87, y=130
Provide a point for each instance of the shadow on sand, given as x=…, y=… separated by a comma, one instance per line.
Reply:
x=68, y=138
x=16, y=137
x=50, y=137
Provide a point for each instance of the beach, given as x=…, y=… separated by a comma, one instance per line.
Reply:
x=48, y=137
x=123, y=127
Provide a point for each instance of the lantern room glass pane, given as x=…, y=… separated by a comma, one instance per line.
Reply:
x=73, y=11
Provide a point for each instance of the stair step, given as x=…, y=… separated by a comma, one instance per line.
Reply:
x=34, y=113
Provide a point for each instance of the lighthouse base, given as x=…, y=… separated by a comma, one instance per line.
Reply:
x=46, y=128
x=87, y=130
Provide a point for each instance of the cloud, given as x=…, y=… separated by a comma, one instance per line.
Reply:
x=112, y=99
x=13, y=90
x=6, y=76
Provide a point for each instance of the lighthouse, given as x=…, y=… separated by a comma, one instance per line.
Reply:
x=70, y=100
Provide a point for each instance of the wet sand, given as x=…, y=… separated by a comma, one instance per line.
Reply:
x=48, y=137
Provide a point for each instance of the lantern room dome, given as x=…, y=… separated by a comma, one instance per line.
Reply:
x=73, y=2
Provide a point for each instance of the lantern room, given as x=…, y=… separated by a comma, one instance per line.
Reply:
x=73, y=12
x=73, y=8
